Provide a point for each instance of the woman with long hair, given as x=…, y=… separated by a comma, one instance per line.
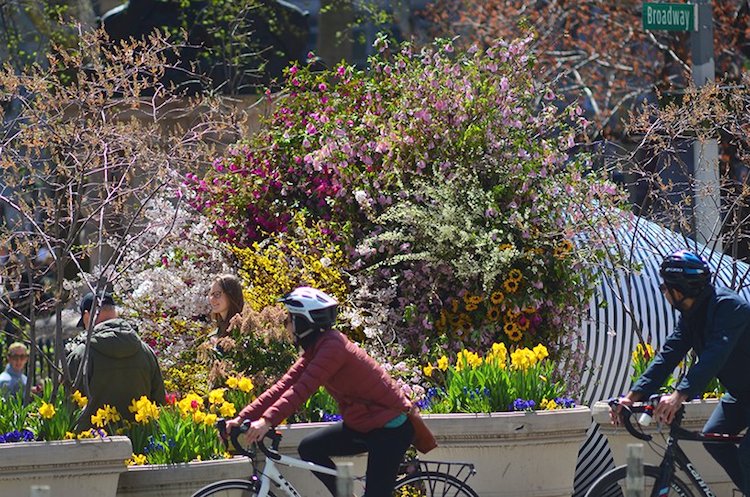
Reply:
x=226, y=301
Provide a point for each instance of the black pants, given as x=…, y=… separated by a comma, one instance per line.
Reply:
x=385, y=447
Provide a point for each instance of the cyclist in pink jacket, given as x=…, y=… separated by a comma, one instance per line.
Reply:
x=372, y=407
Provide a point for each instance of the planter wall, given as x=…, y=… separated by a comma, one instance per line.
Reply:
x=71, y=468
x=697, y=413
x=515, y=454
x=179, y=480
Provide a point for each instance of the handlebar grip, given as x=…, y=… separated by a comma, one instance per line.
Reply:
x=625, y=415
x=234, y=435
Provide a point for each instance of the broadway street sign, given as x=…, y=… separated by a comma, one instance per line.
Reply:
x=670, y=16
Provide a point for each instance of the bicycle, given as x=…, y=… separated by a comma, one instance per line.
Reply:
x=662, y=479
x=417, y=478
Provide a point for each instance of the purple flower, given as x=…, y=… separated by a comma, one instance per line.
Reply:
x=23, y=435
x=523, y=405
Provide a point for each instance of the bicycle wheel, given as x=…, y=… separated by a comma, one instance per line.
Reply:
x=229, y=488
x=432, y=484
x=612, y=483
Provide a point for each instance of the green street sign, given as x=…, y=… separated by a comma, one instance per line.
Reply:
x=670, y=16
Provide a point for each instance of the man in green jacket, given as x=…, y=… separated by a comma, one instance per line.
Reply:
x=120, y=366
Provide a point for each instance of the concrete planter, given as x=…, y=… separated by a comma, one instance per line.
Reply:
x=530, y=454
x=179, y=480
x=697, y=413
x=70, y=468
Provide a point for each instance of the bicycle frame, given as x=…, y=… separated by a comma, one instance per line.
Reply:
x=271, y=473
x=675, y=457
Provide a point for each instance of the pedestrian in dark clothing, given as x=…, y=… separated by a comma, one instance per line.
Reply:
x=120, y=366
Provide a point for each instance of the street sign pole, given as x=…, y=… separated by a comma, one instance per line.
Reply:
x=696, y=18
x=706, y=190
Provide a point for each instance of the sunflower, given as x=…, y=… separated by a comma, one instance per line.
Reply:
x=472, y=299
x=563, y=249
x=497, y=297
x=515, y=275
x=511, y=286
x=511, y=329
x=471, y=306
x=493, y=314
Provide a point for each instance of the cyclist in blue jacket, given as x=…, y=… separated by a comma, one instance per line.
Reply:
x=715, y=323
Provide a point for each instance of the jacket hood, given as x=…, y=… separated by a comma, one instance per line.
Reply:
x=115, y=338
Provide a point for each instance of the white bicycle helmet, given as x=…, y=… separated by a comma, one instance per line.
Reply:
x=316, y=307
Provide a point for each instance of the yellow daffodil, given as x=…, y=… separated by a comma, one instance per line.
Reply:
x=210, y=419
x=144, y=410
x=428, y=370
x=199, y=416
x=227, y=410
x=442, y=363
x=541, y=352
x=137, y=460
x=216, y=396
x=245, y=384
x=46, y=410
x=79, y=399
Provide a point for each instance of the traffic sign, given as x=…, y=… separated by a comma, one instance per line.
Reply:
x=670, y=16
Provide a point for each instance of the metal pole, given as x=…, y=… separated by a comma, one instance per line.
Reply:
x=634, y=482
x=706, y=188
x=344, y=479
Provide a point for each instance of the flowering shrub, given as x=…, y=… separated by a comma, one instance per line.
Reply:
x=447, y=189
x=165, y=293
x=259, y=348
x=499, y=381
x=304, y=254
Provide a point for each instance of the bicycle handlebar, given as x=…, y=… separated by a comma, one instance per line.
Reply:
x=234, y=435
x=626, y=412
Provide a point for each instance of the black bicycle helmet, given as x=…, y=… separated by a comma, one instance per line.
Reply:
x=686, y=272
x=311, y=309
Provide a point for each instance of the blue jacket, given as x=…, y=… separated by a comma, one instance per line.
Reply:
x=717, y=327
x=11, y=381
